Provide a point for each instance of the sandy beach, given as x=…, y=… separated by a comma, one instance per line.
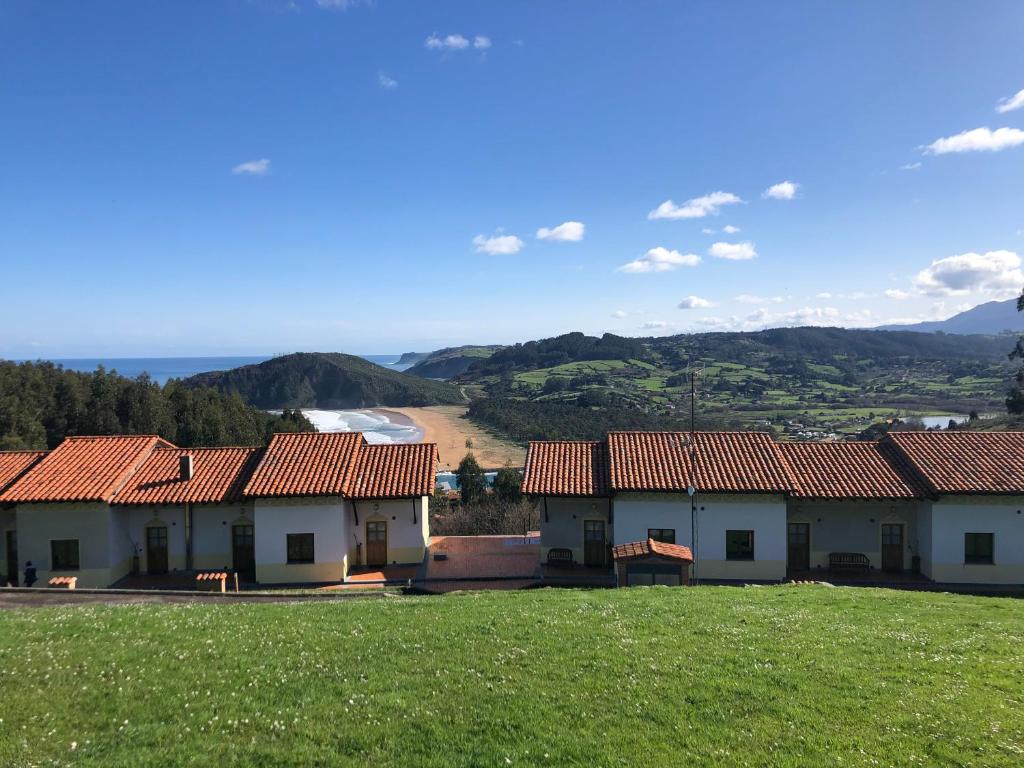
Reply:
x=447, y=426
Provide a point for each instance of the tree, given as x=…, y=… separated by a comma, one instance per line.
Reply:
x=471, y=480
x=508, y=484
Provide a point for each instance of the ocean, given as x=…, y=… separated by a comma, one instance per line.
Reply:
x=160, y=369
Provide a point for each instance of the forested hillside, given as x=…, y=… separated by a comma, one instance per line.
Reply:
x=830, y=379
x=449, y=362
x=326, y=380
x=41, y=403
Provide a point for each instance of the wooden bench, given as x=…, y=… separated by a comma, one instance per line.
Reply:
x=848, y=561
x=212, y=582
x=560, y=556
x=63, y=582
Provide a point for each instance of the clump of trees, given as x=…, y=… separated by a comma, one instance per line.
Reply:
x=482, y=511
x=42, y=403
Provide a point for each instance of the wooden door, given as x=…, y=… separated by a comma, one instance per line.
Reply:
x=798, y=548
x=12, y=558
x=594, y=546
x=376, y=542
x=156, y=549
x=243, y=551
x=892, y=547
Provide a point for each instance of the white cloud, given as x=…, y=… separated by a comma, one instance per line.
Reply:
x=482, y=42
x=746, y=298
x=824, y=295
x=1011, y=103
x=784, y=190
x=568, y=231
x=341, y=5
x=996, y=272
x=729, y=229
x=763, y=318
x=896, y=293
x=733, y=251
x=910, y=166
x=977, y=140
x=386, y=82
x=696, y=302
x=252, y=168
x=697, y=208
x=498, y=244
x=619, y=314
x=708, y=231
x=652, y=325
x=447, y=43
x=661, y=259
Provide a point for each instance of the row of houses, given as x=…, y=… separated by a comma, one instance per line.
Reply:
x=946, y=505
x=305, y=509
x=309, y=508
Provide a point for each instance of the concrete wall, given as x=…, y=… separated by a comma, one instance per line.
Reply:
x=408, y=527
x=90, y=523
x=765, y=515
x=635, y=513
x=953, y=516
x=854, y=525
x=211, y=533
x=326, y=518
x=562, y=524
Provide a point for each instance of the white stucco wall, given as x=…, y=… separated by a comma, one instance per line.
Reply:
x=765, y=515
x=408, y=526
x=211, y=533
x=635, y=513
x=1002, y=516
x=325, y=518
x=855, y=525
x=562, y=524
x=90, y=523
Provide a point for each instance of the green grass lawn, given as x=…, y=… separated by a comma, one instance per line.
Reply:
x=704, y=676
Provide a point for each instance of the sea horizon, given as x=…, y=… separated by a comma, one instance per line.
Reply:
x=163, y=369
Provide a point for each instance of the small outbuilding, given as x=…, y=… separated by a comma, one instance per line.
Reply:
x=646, y=563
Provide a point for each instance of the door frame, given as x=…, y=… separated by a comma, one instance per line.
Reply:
x=167, y=550
x=12, y=563
x=604, y=542
x=903, y=543
x=366, y=534
x=248, y=573
x=807, y=544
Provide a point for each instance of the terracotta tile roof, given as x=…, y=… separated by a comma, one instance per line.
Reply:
x=305, y=464
x=720, y=461
x=394, y=471
x=862, y=470
x=651, y=547
x=218, y=475
x=566, y=468
x=13, y=464
x=83, y=469
x=965, y=462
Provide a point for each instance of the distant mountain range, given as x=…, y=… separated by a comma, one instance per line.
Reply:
x=991, y=318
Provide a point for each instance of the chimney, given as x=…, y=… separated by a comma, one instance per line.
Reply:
x=185, y=467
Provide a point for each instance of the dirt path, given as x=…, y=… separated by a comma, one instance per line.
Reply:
x=448, y=426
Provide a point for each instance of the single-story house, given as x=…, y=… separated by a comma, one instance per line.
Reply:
x=305, y=509
x=944, y=504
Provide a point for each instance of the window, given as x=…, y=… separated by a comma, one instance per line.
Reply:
x=300, y=547
x=978, y=548
x=64, y=555
x=664, y=535
x=739, y=545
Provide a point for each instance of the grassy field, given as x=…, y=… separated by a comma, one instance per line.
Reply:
x=707, y=676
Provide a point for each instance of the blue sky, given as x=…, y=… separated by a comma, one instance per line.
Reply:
x=249, y=177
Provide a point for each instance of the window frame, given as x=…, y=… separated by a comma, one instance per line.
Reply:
x=975, y=559
x=662, y=531
x=740, y=557
x=62, y=566
x=299, y=539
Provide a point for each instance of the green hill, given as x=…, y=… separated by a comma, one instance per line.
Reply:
x=326, y=380
x=799, y=379
x=450, y=362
